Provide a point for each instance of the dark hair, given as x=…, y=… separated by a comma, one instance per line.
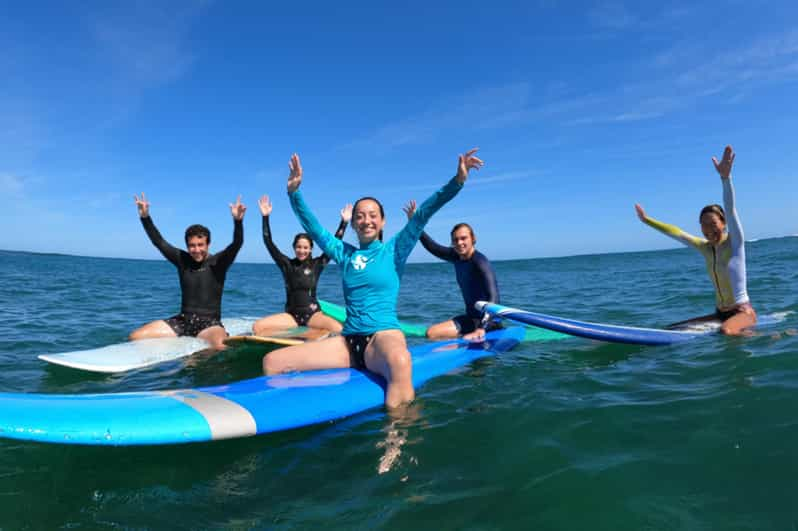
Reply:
x=198, y=230
x=714, y=209
x=368, y=198
x=460, y=226
x=303, y=236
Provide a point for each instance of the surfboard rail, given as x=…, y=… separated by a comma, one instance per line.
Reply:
x=600, y=331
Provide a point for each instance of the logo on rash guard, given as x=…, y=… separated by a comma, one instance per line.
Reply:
x=359, y=262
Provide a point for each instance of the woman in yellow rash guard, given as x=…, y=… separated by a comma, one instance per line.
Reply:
x=723, y=251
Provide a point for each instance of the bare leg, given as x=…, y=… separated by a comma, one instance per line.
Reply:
x=152, y=330
x=325, y=322
x=215, y=335
x=444, y=330
x=271, y=324
x=330, y=353
x=737, y=324
x=388, y=356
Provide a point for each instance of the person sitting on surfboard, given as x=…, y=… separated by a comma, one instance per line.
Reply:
x=301, y=274
x=475, y=277
x=370, y=274
x=201, y=279
x=723, y=251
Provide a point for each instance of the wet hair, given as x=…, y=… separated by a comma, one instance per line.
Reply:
x=467, y=226
x=198, y=230
x=368, y=198
x=713, y=209
x=303, y=236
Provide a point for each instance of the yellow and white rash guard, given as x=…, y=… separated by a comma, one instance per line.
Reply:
x=726, y=261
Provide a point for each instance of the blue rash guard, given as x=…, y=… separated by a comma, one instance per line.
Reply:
x=371, y=274
x=475, y=275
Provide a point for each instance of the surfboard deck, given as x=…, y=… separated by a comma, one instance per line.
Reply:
x=249, y=407
x=139, y=354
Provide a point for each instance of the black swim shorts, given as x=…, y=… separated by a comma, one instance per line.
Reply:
x=357, y=343
x=191, y=324
x=466, y=324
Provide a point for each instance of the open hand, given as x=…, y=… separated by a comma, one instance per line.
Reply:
x=467, y=163
x=265, y=205
x=410, y=208
x=641, y=214
x=346, y=213
x=294, y=173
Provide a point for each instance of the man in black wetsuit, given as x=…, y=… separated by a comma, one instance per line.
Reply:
x=201, y=279
x=301, y=275
x=475, y=277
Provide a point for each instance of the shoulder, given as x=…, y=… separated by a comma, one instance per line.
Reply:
x=480, y=258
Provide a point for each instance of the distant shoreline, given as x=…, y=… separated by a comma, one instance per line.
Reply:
x=675, y=248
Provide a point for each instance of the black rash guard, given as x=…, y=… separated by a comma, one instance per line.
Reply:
x=201, y=283
x=475, y=276
x=300, y=277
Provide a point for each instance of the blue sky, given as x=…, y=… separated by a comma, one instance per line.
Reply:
x=580, y=110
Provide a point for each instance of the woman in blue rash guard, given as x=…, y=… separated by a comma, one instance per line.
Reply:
x=370, y=274
x=724, y=252
x=475, y=276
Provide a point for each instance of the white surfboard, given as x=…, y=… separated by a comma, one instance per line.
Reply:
x=142, y=353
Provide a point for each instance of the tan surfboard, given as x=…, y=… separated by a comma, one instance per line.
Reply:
x=268, y=343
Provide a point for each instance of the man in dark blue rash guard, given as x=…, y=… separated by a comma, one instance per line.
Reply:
x=202, y=279
x=475, y=277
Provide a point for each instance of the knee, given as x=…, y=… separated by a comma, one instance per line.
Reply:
x=270, y=366
x=429, y=333
x=400, y=363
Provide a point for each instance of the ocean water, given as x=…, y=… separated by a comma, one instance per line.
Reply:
x=560, y=435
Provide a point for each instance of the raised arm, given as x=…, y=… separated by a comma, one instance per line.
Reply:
x=346, y=216
x=266, y=209
x=439, y=251
x=330, y=245
x=168, y=251
x=226, y=257
x=724, y=169
x=669, y=230
x=410, y=234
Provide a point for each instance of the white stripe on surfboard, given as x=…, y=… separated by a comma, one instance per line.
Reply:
x=225, y=418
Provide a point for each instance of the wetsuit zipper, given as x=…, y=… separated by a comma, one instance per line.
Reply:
x=715, y=272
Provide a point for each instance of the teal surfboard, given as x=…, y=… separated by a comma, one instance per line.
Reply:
x=532, y=333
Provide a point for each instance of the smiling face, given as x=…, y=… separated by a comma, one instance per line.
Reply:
x=367, y=220
x=197, y=248
x=463, y=242
x=712, y=225
x=302, y=248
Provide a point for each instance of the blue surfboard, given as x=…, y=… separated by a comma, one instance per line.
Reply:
x=602, y=332
x=260, y=405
